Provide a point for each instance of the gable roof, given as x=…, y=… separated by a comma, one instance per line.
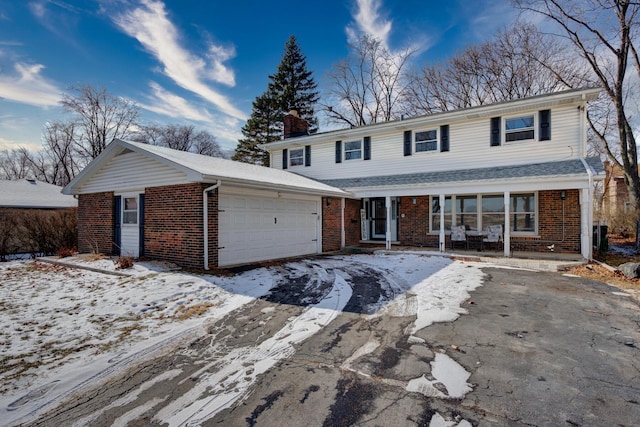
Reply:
x=200, y=168
x=549, y=169
x=29, y=193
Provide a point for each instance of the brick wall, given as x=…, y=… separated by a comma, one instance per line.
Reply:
x=413, y=224
x=331, y=224
x=95, y=223
x=352, y=222
x=550, y=224
x=173, y=225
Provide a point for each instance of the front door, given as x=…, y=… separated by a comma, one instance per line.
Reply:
x=378, y=218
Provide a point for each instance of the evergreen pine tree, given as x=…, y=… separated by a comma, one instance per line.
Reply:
x=291, y=87
x=261, y=128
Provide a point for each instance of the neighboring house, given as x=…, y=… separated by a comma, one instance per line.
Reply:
x=521, y=164
x=616, y=198
x=32, y=194
x=197, y=211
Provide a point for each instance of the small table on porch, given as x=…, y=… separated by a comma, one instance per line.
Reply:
x=476, y=239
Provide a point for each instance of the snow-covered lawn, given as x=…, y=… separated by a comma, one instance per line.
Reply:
x=64, y=328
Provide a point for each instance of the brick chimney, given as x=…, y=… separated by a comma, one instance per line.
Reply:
x=294, y=125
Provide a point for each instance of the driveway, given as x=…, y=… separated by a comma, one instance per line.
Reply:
x=341, y=342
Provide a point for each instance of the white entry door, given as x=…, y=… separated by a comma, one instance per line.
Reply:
x=130, y=219
x=258, y=228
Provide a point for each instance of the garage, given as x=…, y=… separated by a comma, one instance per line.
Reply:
x=259, y=225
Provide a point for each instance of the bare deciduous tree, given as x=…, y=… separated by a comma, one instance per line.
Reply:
x=99, y=118
x=515, y=63
x=14, y=164
x=180, y=137
x=604, y=33
x=367, y=87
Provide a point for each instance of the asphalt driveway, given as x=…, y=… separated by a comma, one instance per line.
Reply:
x=533, y=348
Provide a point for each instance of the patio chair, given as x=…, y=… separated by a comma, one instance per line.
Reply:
x=494, y=236
x=459, y=234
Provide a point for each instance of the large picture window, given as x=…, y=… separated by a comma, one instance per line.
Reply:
x=435, y=213
x=523, y=212
x=477, y=212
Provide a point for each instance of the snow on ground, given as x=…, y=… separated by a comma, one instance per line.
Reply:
x=63, y=328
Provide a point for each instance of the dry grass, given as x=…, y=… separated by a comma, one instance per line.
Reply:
x=613, y=259
x=187, y=312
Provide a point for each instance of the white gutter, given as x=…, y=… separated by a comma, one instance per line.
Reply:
x=587, y=247
x=205, y=221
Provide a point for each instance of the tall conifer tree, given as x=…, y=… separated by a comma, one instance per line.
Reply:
x=291, y=87
x=262, y=127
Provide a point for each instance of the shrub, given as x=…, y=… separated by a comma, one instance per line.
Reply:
x=123, y=262
x=66, y=252
x=624, y=223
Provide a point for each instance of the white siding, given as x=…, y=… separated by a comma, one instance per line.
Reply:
x=469, y=148
x=132, y=171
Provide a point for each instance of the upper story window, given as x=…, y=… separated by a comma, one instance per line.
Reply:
x=353, y=150
x=296, y=157
x=426, y=140
x=130, y=210
x=519, y=128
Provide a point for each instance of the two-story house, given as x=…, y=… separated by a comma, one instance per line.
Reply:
x=520, y=164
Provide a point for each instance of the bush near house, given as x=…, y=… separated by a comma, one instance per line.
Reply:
x=36, y=231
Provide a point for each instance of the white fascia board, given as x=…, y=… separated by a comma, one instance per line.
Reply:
x=576, y=96
x=336, y=192
x=564, y=182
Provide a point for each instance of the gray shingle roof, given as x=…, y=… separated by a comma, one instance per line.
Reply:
x=566, y=167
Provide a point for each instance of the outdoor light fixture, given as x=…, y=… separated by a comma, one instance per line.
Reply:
x=563, y=195
x=413, y=199
x=328, y=201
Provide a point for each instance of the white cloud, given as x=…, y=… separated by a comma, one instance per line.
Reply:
x=29, y=87
x=369, y=21
x=150, y=25
x=7, y=144
x=169, y=104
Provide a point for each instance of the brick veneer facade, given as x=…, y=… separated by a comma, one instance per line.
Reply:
x=413, y=224
x=95, y=223
x=332, y=223
x=172, y=224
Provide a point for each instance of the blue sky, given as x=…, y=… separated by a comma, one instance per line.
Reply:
x=202, y=62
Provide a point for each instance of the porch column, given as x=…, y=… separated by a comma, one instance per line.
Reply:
x=441, y=239
x=507, y=224
x=585, y=223
x=387, y=205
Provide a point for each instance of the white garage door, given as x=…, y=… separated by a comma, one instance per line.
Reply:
x=257, y=228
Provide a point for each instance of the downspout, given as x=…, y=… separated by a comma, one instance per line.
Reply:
x=205, y=221
x=589, y=202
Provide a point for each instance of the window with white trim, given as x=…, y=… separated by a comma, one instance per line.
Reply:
x=426, y=140
x=477, y=212
x=130, y=210
x=435, y=213
x=520, y=128
x=296, y=157
x=523, y=212
x=353, y=150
